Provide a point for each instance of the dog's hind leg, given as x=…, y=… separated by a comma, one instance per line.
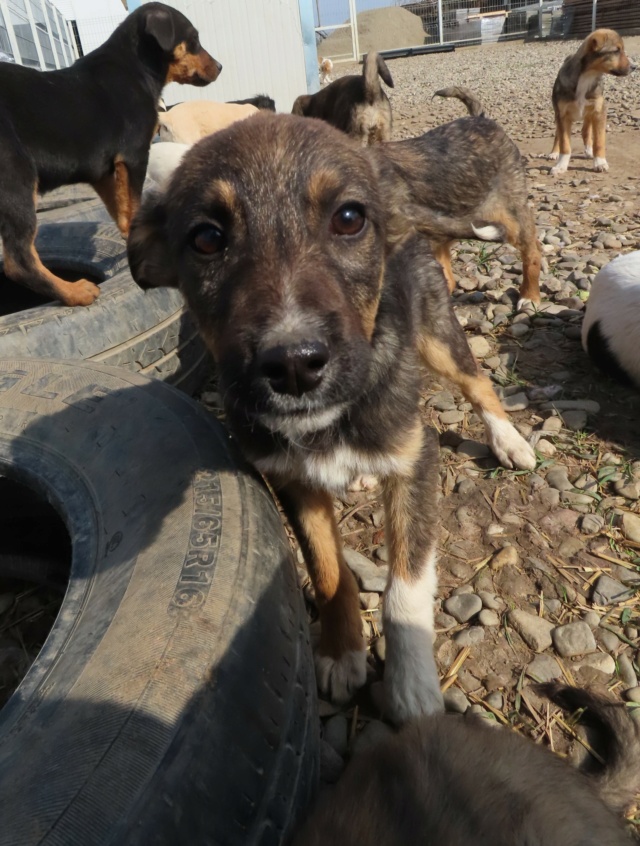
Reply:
x=599, y=120
x=563, y=138
x=587, y=135
x=521, y=233
x=18, y=224
x=341, y=657
x=120, y=191
x=411, y=681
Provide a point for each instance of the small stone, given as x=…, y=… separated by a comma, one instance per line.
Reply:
x=382, y=553
x=369, y=601
x=550, y=497
x=591, y=618
x=369, y=576
x=633, y=695
x=626, y=671
x=488, y=618
x=631, y=632
x=455, y=701
x=557, y=478
x=519, y=330
x=473, y=449
x=629, y=490
x=546, y=448
x=508, y=556
x=573, y=639
x=610, y=458
x=377, y=517
x=544, y=668
x=552, y=424
x=449, y=418
x=608, y=640
x=462, y=589
x=463, y=607
x=445, y=621
x=490, y=600
x=586, y=482
x=336, y=733
x=516, y=402
x=495, y=700
x=536, y=482
x=591, y=406
x=553, y=606
x=630, y=525
x=608, y=591
x=591, y=524
x=466, y=487
x=570, y=547
x=575, y=419
x=479, y=346
x=598, y=661
x=470, y=636
x=534, y=630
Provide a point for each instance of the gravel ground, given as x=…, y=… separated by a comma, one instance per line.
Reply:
x=539, y=571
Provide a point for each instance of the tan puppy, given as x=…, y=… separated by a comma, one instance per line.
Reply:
x=188, y=122
x=578, y=94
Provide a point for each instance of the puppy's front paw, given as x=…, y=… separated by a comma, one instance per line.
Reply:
x=600, y=165
x=562, y=166
x=508, y=445
x=411, y=683
x=339, y=678
x=528, y=306
x=553, y=156
x=364, y=483
x=588, y=152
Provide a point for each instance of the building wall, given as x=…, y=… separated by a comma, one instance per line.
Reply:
x=259, y=43
x=34, y=33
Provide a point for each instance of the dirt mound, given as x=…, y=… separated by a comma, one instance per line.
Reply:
x=378, y=29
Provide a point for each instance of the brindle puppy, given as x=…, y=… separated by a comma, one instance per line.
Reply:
x=319, y=302
x=578, y=94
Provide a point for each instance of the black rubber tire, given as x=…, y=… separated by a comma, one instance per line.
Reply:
x=174, y=699
x=148, y=332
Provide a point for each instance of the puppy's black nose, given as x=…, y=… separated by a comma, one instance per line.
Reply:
x=295, y=368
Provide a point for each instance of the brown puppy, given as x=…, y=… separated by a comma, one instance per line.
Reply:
x=355, y=104
x=578, y=94
x=454, y=781
x=319, y=300
x=468, y=169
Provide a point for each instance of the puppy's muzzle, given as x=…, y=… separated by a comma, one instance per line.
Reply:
x=293, y=369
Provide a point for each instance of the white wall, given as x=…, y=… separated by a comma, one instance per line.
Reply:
x=259, y=44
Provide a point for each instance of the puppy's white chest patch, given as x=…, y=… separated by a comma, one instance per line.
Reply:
x=333, y=469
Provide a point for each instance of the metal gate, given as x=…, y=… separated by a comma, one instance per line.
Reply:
x=426, y=24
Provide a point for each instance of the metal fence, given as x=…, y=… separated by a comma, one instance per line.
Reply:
x=346, y=29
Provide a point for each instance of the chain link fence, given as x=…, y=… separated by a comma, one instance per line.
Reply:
x=346, y=29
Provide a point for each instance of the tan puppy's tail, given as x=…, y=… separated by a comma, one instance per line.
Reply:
x=618, y=781
x=474, y=106
x=373, y=67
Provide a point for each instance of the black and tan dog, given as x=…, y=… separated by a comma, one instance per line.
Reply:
x=357, y=105
x=454, y=781
x=578, y=95
x=92, y=122
x=470, y=167
x=319, y=299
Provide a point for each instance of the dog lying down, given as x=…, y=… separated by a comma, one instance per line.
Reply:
x=454, y=781
x=611, y=326
x=319, y=297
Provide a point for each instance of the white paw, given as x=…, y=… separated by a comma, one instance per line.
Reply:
x=507, y=444
x=364, y=483
x=411, y=681
x=527, y=305
x=562, y=166
x=588, y=152
x=340, y=678
x=553, y=156
x=600, y=165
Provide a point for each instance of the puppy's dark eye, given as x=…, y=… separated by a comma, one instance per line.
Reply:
x=348, y=220
x=208, y=239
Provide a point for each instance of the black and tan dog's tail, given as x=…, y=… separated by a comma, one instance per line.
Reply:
x=474, y=106
x=374, y=66
x=618, y=781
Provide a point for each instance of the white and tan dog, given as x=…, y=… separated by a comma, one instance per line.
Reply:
x=188, y=122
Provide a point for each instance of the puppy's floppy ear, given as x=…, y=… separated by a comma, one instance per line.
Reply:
x=597, y=41
x=158, y=23
x=148, y=252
